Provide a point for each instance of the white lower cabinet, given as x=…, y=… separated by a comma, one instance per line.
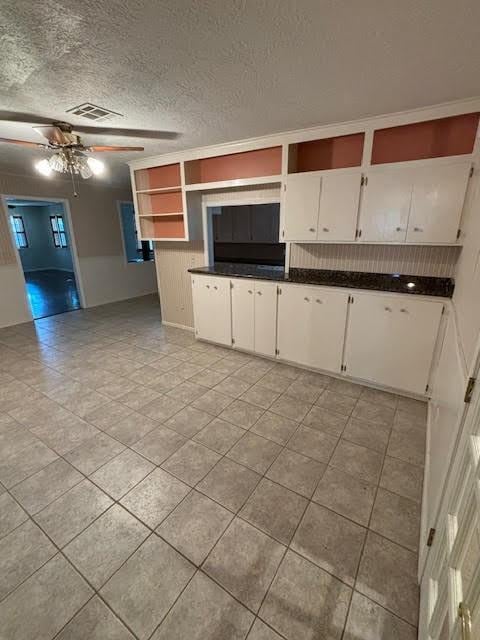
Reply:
x=383, y=338
x=243, y=314
x=391, y=340
x=212, y=309
x=311, y=326
x=254, y=316
x=265, y=318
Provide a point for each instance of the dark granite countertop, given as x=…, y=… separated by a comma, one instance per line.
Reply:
x=392, y=282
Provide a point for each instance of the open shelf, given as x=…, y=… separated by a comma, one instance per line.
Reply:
x=239, y=182
x=164, y=177
x=162, y=227
x=452, y=136
x=162, y=190
x=160, y=202
x=235, y=166
x=340, y=152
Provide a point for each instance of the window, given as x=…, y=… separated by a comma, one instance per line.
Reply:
x=19, y=232
x=58, y=230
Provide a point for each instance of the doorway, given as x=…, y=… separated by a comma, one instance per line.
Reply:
x=43, y=239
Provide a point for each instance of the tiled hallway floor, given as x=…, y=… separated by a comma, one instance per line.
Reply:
x=157, y=487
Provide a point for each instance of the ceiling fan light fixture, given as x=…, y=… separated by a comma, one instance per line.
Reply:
x=97, y=166
x=44, y=167
x=58, y=162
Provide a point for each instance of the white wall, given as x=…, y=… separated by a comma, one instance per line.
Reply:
x=13, y=304
x=110, y=278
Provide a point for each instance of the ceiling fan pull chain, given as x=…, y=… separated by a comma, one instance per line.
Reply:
x=75, y=194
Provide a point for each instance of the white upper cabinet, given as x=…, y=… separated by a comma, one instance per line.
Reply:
x=301, y=207
x=416, y=205
x=386, y=205
x=322, y=207
x=437, y=202
x=340, y=193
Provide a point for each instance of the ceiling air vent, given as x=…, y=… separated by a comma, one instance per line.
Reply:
x=93, y=112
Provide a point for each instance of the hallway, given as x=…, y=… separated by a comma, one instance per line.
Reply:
x=51, y=291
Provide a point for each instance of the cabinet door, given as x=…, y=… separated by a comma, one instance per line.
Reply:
x=265, y=318
x=302, y=199
x=264, y=222
x=243, y=300
x=223, y=225
x=339, y=207
x=311, y=326
x=437, y=202
x=211, y=308
x=386, y=205
x=390, y=340
x=241, y=223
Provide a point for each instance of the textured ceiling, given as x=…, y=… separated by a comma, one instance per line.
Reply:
x=220, y=70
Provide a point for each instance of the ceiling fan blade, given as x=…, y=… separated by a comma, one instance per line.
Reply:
x=127, y=133
x=54, y=134
x=24, y=143
x=105, y=148
x=27, y=118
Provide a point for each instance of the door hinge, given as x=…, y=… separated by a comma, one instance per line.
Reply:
x=231, y=285
x=426, y=388
x=458, y=233
x=443, y=310
x=284, y=187
x=431, y=536
x=283, y=233
x=359, y=233
x=364, y=181
x=233, y=341
x=277, y=352
x=469, y=390
x=343, y=367
x=350, y=299
x=471, y=172
x=279, y=291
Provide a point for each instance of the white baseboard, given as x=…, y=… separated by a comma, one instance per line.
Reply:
x=177, y=326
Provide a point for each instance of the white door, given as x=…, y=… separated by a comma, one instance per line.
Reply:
x=243, y=300
x=211, y=308
x=265, y=318
x=301, y=203
x=450, y=586
x=339, y=198
x=391, y=339
x=437, y=202
x=311, y=326
x=385, y=206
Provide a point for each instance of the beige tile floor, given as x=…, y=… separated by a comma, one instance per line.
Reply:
x=156, y=487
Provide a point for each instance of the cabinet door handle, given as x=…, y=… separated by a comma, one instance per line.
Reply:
x=250, y=291
x=208, y=286
x=403, y=311
x=325, y=229
x=319, y=301
x=259, y=293
x=312, y=230
x=388, y=309
x=307, y=299
x=399, y=229
x=215, y=287
x=417, y=229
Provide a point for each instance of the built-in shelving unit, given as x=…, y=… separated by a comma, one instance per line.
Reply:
x=376, y=180
x=160, y=203
x=439, y=138
x=339, y=152
x=256, y=165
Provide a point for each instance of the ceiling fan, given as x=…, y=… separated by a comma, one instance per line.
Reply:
x=70, y=154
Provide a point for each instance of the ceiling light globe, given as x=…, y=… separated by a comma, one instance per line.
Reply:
x=96, y=166
x=43, y=167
